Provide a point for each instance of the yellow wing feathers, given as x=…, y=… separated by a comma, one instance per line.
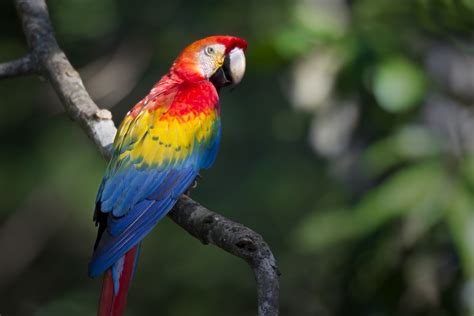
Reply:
x=156, y=138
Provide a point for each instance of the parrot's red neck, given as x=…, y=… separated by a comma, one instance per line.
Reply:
x=182, y=96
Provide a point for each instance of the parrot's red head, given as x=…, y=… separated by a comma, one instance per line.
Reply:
x=219, y=59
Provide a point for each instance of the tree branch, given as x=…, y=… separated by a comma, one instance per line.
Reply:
x=48, y=59
x=19, y=67
x=65, y=80
x=235, y=238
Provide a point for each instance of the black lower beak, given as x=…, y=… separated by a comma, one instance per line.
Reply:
x=222, y=77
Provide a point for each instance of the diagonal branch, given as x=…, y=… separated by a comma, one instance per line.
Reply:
x=48, y=59
x=54, y=65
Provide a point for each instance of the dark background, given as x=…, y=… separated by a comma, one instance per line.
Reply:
x=348, y=145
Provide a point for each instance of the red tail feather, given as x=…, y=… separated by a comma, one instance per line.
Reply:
x=111, y=304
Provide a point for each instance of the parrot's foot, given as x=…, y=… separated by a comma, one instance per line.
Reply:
x=193, y=185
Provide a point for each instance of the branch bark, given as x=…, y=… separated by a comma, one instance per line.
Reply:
x=46, y=58
x=19, y=67
x=235, y=238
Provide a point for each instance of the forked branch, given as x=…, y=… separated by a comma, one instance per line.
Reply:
x=47, y=59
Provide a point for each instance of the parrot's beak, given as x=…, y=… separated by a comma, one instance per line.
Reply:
x=232, y=71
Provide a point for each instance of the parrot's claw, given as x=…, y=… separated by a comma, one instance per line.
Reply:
x=193, y=185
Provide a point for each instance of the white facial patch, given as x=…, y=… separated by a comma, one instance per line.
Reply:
x=209, y=58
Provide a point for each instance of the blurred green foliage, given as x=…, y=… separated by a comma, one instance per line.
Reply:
x=381, y=226
x=398, y=85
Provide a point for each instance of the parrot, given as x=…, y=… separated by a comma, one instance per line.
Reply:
x=160, y=147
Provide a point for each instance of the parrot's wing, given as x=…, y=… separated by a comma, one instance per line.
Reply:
x=156, y=159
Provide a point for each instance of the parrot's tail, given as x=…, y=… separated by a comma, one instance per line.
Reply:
x=117, y=280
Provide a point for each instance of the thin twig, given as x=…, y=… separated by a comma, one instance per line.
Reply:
x=19, y=67
x=207, y=226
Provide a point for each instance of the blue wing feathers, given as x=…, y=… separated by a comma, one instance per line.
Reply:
x=211, y=152
x=125, y=202
x=117, y=225
x=128, y=229
x=184, y=184
x=113, y=189
x=112, y=248
x=137, y=198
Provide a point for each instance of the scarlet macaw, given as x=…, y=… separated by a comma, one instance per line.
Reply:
x=160, y=146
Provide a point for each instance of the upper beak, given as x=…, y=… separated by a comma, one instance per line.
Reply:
x=232, y=71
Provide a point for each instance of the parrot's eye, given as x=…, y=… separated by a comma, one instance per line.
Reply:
x=210, y=50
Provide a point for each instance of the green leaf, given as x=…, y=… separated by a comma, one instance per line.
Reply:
x=398, y=85
x=467, y=170
x=460, y=218
x=418, y=188
x=409, y=143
